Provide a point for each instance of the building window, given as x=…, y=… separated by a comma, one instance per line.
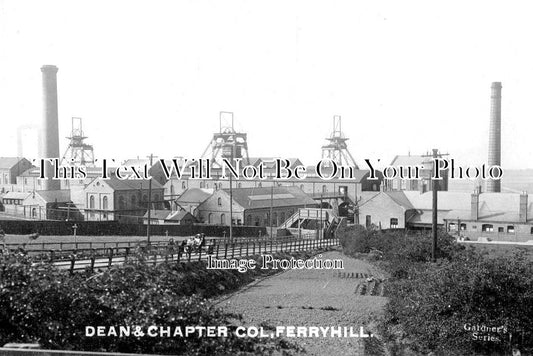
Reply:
x=239, y=185
x=463, y=227
x=249, y=220
x=91, y=202
x=202, y=185
x=301, y=186
x=275, y=219
x=282, y=217
x=324, y=188
x=531, y=231
x=222, y=219
x=104, y=203
x=210, y=218
x=500, y=229
x=219, y=201
x=220, y=185
x=259, y=185
x=452, y=227
x=368, y=220
x=487, y=228
x=133, y=201
x=183, y=185
x=393, y=223
x=121, y=203
x=171, y=190
x=510, y=229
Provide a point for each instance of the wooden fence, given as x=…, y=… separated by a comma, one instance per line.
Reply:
x=104, y=258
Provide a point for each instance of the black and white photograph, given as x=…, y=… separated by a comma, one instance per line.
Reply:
x=242, y=177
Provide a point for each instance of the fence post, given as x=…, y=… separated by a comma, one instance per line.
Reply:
x=110, y=262
x=52, y=255
x=247, y=248
x=218, y=245
x=179, y=254
x=61, y=246
x=253, y=248
x=92, y=262
x=72, y=262
x=232, y=250
x=199, y=254
x=271, y=243
x=225, y=251
x=126, y=253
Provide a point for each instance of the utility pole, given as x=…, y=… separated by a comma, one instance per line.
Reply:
x=271, y=208
x=149, y=203
x=231, y=195
x=434, y=216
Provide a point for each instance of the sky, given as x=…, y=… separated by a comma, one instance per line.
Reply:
x=153, y=76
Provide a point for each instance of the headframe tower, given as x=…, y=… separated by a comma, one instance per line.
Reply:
x=78, y=152
x=336, y=149
x=227, y=143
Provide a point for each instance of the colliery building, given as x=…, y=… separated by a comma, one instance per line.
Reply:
x=252, y=206
x=496, y=216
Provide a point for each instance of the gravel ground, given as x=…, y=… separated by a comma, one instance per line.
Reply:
x=312, y=298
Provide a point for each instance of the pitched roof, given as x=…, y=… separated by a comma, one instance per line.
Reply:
x=253, y=198
x=400, y=199
x=52, y=196
x=130, y=184
x=16, y=195
x=158, y=214
x=409, y=160
x=194, y=195
x=9, y=162
x=179, y=215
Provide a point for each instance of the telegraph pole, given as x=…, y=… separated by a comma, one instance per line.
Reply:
x=231, y=195
x=271, y=208
x=434, y=216
x=149, y=202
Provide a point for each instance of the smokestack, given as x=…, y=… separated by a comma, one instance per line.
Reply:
x=495, y=151
x=474, y=205
x=50, y=133
x=523, y=208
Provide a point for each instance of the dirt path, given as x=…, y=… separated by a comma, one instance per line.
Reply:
x=314, y=298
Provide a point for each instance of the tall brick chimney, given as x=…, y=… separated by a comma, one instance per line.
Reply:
x=49, y=129
x=474, y=205
x=522, y=216
x=495, y=130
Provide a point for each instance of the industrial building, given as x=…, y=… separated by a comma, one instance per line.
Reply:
x=497, y=216
x=10, y=169
x=253, y=206
x=122, y=200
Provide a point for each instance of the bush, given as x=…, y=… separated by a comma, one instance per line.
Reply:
x=433, y=307
x=39, y=303
x=430, y=304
